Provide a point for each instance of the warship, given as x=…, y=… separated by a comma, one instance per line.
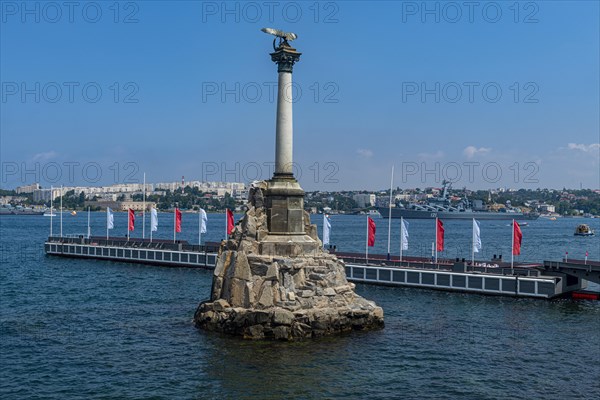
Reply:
x=20, y=210
x=442, y=207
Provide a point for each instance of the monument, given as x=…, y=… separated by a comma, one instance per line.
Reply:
x=273, y=280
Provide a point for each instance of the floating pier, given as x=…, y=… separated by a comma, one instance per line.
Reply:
x=545, y=280
x=155, y=252
x=521, y=281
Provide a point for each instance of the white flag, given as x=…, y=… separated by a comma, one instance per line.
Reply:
x=153, y=220
x=110, y=219
x=326, y=229
x=476, y=237
x=203, y=220
x=404, y=228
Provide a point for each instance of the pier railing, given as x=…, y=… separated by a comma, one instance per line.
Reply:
x=456, y=265
x=159, y=244
x=457, y=275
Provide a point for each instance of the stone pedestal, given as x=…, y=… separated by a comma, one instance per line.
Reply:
x=287, y=230
x=285, y=207
x=281, y=286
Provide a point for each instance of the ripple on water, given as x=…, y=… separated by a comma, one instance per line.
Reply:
x=91, y=329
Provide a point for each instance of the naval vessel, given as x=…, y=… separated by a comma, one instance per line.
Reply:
x=442, y=207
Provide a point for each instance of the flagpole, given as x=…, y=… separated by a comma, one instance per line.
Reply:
x=432, y=249
x=512, y=248
x=89, y=229
x=51, y=210
x=324, y=222
x=401, y=236
x=152, y=212
x=144, y=210
x=61, y=209
x=107, y=223
x=473, y=245
x=326, y=231
x=175, y=225
x=128, y=217
x=390, y=214
x=367, y=242
x=436, y=239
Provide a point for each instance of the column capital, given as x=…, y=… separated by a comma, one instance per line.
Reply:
x=285, y=56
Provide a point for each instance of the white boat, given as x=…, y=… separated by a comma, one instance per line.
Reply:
x=520, y=224
x=49, y=214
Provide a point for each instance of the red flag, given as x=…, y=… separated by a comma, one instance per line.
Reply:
x=372, y=228
x=230, y=222
x=131, y=224
x=517, y=238
x=439, y=240
x=177, y=220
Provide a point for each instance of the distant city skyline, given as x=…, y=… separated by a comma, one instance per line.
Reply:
x=229, y=187
x=488, y=95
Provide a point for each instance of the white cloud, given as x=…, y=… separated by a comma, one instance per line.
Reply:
x=366, y=153
x=587, y=148
x=45, y=156
x=431, y=156
x=472, y=151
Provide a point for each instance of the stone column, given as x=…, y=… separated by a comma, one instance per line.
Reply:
x=284, y=131
x=284, y=198
x=285, y=57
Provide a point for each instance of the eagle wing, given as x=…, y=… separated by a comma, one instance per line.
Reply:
x=279, y=33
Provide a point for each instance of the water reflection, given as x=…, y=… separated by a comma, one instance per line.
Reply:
x=304, y=369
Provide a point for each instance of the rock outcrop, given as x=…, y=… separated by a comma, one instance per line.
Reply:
x=299, y=292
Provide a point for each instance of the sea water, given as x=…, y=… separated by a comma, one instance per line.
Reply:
x=75, y=328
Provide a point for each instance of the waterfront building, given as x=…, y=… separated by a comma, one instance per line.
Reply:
x=365, y=200
x=27, y=188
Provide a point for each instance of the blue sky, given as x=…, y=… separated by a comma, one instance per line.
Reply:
x=496, y=95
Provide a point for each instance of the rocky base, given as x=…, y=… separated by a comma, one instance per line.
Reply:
x=282, y=324
x=299, y=292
